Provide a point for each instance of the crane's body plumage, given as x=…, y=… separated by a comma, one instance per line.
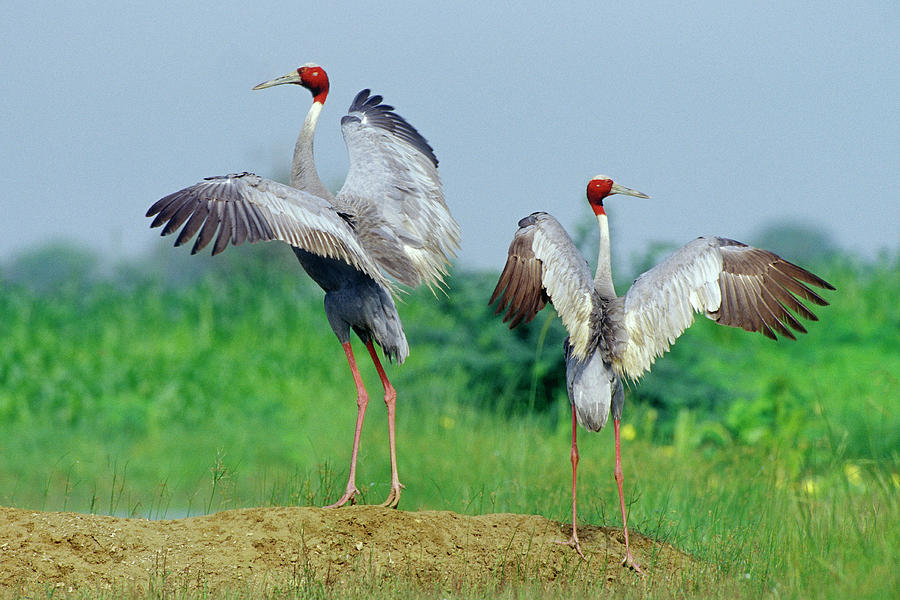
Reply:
x=613, y=337
x=594, y=389
x=355, y=301
x=389, y=220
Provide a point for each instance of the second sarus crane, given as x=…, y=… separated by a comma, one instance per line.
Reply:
x=612, y=337
x=389, y=218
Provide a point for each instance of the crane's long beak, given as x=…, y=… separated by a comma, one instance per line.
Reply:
x=621, y=189
x=292, y=77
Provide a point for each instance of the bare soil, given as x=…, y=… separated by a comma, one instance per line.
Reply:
x=288, y=548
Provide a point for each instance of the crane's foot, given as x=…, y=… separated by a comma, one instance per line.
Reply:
x=393, y=499
x=629, y=562
x=573, y=542
x=349, y=496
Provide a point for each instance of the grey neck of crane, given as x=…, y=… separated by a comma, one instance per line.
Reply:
x=603, y=281
x=303, y=169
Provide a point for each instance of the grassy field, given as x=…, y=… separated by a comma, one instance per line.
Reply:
x=217, y=384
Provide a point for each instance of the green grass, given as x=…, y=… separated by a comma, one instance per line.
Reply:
x=163, y=396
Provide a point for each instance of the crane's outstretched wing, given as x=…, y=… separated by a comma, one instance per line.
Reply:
x=731, y=283
x=544, y=264
x=246, y=207
x=394, y=193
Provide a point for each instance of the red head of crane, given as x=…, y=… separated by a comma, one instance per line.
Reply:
x=311, y=76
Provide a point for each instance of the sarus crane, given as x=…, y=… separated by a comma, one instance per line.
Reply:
x=389, y=219
x=611, y=337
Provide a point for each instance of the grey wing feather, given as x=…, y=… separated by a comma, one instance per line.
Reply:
x=730, y=282
x=544, y=264
x=395, y=193
x=245, y=207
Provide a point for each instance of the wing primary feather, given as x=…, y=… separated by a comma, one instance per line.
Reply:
x=185, y=211
x=500, y=291
x=733, y=298
x=519, y=317
x=512, y=293
x=500, y=287
x=526, y=302
x=193, y=224
x=788, y=302
x=536, y=298
x=766, y=330
x=225, y=228
x=730, y=313
x=788, y=287
x=162, y=203
x=775, y=310
x=527, y=287
x=209, y=229
x=157, y=222
x=777, y=301
x=795, y=284
x=802, y=274
x=525, y=305
x=166, y=213
x=501, y=304
x=753, y=318
x=257, y=230
x=384, y=117
x=760, y=310
x=241, y=227
x=185, y=197
x=794, y=323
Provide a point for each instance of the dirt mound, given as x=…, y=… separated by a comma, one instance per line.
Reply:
x=286, y=548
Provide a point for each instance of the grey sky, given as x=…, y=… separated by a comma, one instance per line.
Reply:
x=730, y=116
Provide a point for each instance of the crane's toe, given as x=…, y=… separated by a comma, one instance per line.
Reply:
x=573, y=542
x=393, y=499
x=349, y=496
x=629, y=562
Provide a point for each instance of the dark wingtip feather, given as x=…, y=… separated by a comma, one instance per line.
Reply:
x=502, y=284
x=160, y=204
x=383, y=116
x=193, y=225
x=802, y=274
x=159, y=220
x=221, y=242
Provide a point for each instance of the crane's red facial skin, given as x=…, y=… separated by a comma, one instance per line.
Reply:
x=316, y=81
x=597, y=190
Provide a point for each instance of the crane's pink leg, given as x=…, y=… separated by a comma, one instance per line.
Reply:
x=390, y=399
x=573, y=541
x=362, y=400
x=628, y=560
